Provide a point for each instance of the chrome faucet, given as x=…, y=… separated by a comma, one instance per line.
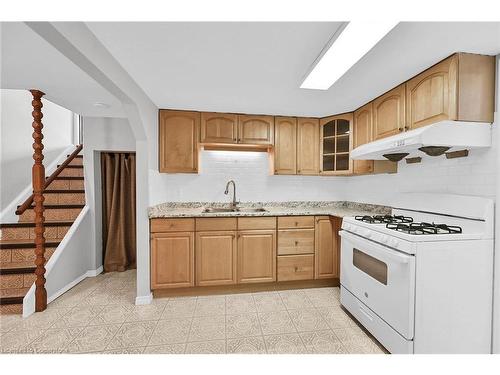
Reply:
x=234, y=203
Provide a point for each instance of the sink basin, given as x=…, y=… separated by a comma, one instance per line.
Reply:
x=209, y=210
x=216, y=210
x=251, y=209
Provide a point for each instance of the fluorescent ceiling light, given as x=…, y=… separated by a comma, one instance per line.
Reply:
x=357, y=38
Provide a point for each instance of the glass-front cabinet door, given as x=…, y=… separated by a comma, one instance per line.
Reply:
x=336, y=144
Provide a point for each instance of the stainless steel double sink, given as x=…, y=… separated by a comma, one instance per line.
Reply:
x=210, y=210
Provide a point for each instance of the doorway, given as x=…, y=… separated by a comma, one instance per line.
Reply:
x=118, y=211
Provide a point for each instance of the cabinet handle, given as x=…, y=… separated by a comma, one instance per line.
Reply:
x=296, y=243
x=296, y=268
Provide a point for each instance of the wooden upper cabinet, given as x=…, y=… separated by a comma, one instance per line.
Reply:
x=285, y=145
x=460, y=87
x=431, y=96
x=362, y=134
x=178, y=141
x=219, y=128
x=256, y=130
x=389, y=113
x=307, y=146
x=216, y=258
x=256, y=256
x=326, y=249
x=172, y=260
x=335, y=142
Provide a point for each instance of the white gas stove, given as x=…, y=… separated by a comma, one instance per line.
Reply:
x=421, y=280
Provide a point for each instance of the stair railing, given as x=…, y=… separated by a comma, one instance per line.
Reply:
x=39, y=185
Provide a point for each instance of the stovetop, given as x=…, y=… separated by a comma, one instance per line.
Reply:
x=405, y=224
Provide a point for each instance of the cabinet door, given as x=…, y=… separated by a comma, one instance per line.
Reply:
x=432, y=95
x=389, y=113
x=285, y=145
x=326, y=252
x=172, y=260
x=307, y=146
x=256, y=256
x=219, y=128
x=178, y=141
x=256, y=130
x=215, y=258
x=362, y=133
x=336, y=144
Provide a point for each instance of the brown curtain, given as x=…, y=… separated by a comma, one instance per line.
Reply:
x=118, y=211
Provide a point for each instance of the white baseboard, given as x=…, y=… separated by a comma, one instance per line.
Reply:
x=28, y=304
x=94, y=273
x=64, y=289
x=144, y=300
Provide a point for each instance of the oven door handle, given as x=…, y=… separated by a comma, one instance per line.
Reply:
x=376, y=248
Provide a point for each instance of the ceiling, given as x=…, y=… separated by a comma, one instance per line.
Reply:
x=234, y=67
x=28, y=62
x=258, y=67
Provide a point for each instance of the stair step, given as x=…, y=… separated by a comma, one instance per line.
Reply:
x=11, y=300
x=65, y=191
x=57, y=206
x=72, y=166
x=32, y=224
x=69, y=178
x=16, y=270
x=25, y=244
x=13, y=292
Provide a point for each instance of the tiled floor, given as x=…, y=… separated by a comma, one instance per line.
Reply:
x=99, y=316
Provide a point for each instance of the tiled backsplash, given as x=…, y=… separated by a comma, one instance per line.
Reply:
x=250, y=170
x=473, y=175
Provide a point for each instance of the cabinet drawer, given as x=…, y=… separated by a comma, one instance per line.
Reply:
x=172, y=225
x=295, y=241
x=295, y=267
x=245, y=223
x=295, y=222
x=219, y=223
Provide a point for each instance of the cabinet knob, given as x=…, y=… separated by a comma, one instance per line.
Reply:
x=296, y=268
x=296, y=243
x=299, y=171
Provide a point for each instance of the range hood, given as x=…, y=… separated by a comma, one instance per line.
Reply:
x=455, y=135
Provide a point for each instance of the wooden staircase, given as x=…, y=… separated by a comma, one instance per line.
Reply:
x=64, y=199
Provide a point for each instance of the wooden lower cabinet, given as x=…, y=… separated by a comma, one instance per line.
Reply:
x=295, y=267
x=256, y=256
x=295, y=241
x=215, y=258
x=326, y=248
x=172, y=260
x=229, y=250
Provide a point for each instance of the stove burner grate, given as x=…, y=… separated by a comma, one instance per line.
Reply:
x=384, y=219
x=424, y=228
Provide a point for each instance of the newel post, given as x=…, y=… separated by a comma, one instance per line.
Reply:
x=38, y=178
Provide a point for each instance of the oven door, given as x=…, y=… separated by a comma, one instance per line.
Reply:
x=382, y=278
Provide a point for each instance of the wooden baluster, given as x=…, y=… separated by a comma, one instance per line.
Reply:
x=38, y=177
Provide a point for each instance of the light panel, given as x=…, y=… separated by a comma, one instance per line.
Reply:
x=357, y=38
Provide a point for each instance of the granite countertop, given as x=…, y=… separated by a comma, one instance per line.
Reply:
x=294, y=208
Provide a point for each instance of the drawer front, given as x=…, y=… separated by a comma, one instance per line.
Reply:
x=288, y=222
x=295, y=267
x=219, y=223
x=245, y=223
x=172, y=225
x=295, y=241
